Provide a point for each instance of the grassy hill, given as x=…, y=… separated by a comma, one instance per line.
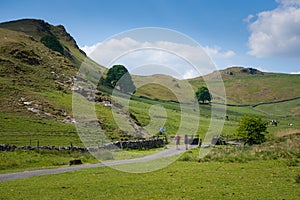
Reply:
x=243, y=86
x=251, y=86
x=36, y=81
x=29, y=67
x=36, y=29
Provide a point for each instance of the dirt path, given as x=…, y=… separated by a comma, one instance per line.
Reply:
x=18, y=175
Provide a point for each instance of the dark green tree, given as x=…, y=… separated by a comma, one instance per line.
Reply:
x=52, y=42
x=203, y=94
x=252, y=130
x=118, y=77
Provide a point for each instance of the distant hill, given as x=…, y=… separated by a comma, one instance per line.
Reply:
x=251, y=86
x=243, y=85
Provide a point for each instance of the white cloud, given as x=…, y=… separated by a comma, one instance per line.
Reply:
x=161, y=57
x=189, y=74
x=295, y=72
x=89, y=49
x=248, y=18
x=276, y=32
x=176, y=59
x=215, y=52
x=289, y=2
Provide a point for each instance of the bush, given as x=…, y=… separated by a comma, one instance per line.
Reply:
x=52, y=43
x=252, y=130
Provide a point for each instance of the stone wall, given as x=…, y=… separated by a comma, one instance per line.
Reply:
x=137, y=144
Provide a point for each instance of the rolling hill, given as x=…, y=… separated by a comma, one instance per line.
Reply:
x=251, y=86
x=21, y=46
x=242, y=85
x=36, y=87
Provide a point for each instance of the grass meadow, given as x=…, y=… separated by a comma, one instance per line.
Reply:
x=267, y=171
x=283, y=109
x=25, y=130
x=180, y=180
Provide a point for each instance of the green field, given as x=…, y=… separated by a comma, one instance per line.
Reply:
x=43, y=79
x=25, y=130
x=267, y=171
x=282, y=109
x=181, y=180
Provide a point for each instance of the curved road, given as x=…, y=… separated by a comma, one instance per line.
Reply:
x=18, y=175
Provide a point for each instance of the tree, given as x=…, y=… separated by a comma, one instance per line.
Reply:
x=118, y=77
x=203, y=94
x=252, y=130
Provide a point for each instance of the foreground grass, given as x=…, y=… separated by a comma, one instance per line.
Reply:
x=267, y=171
x=181, y=180
x=13, y=161
x=29, y=160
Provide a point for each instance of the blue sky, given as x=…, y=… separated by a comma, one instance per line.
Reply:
x=251, y=33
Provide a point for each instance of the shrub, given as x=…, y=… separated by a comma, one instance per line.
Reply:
x=252, y=130
x=52, y=43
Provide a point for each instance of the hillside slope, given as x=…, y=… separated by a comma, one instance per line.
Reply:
x=36, y=85
x=39, y=28
x=251, y=86
x=32, y=72
x=242, y=85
